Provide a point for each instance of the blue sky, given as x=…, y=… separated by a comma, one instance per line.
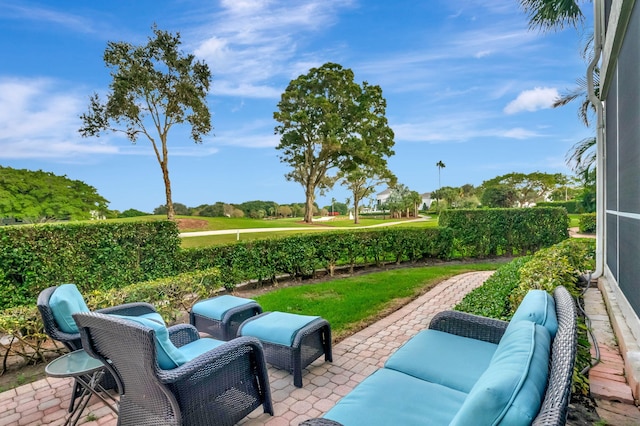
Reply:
x=466, y=83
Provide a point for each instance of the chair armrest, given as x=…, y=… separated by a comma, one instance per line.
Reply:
x=181, y=334
x=132, y=309
x=468, y=325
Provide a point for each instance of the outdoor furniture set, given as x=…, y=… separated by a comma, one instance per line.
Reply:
x=170, y=375
x=471, y=370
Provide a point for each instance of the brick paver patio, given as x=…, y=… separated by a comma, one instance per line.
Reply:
x=46, y=401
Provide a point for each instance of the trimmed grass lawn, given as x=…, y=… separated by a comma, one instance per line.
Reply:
x=350, y=304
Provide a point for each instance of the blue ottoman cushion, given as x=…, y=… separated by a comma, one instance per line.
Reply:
x=216, y=307
x=277, y=327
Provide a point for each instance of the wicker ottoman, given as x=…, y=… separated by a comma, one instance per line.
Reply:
x=221, y=316
x=290, y=341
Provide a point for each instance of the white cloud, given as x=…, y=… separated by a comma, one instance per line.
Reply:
x=532, y=100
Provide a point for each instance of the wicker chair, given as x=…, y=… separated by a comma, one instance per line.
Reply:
x=219, y=387
x=72, y=340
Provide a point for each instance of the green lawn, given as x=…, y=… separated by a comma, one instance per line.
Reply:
x=350, y=304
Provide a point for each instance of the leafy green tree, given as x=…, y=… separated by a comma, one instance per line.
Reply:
x=363, y=181
x=528, y=188
x=38, y=196
x=400, y=200
x=328, y=121
x=154, y=87
x=132, y=213
x=499, y=196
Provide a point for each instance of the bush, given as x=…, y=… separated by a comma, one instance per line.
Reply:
x=94, y=256
x=497, y=232
x=588, y=223
x=572, y=206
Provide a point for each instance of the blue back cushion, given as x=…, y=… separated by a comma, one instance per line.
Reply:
x=539, y=307
x=169, y=357
x=65, y=301
x=510, y=392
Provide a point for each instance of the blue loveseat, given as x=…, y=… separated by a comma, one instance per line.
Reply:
x=471, y=370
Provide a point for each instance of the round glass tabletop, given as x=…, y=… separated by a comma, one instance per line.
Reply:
x=76, y=363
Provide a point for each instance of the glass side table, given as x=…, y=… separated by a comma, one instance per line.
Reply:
x=87, y=372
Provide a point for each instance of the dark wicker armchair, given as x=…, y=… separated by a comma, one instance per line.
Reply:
x=218, y=387
x=72, y=340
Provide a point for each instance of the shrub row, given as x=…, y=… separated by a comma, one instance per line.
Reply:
x=301, y=255
x=94, y=256
x=572, y=206
x=495, y=232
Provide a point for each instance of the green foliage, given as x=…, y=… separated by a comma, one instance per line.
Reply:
x=492, y=298
x=572, y=206
x=561, y=264
x=42, y=196
x=329, y=121
x=93, y=256
x=132, y=213
x=495, y=232
x=521, y=190
x=588, y=223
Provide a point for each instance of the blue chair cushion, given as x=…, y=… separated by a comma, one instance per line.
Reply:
x=539, y=307
x=154, y=316
x=65, y=301
x=169, y=357
x=510, y=391
x=198, y=347
x=447, y=359
x=389, y=397
x=276, y=327
x=216, y=307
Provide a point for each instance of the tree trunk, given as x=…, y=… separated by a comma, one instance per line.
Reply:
x=167, y=190
x=356, y=218
x=308, y=209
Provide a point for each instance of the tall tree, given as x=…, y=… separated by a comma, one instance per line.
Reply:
x=154, y=87
x=328, y=121
x=440, y=165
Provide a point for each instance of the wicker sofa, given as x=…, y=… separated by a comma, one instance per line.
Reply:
x=467, y=369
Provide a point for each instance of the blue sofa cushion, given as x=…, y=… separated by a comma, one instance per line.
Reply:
x=216, y=307
x=168, y=356
x=510, y=391
x=538, y=306
x=154, y=316
x=65, y=301
x=198, y=347
x=447, y=359
x=276, y=327
x=389, y=397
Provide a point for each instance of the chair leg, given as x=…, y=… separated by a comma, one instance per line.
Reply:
x=75, y=393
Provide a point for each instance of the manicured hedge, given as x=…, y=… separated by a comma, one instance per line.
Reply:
x=301, y=255
x=93, y=256
x=588, y=223
x=572, y=206
x=497, y=232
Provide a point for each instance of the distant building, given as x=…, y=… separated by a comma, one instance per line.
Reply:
x=383, y=196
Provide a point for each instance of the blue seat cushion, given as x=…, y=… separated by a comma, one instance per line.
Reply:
x=538, y=306
x=447, y=359
x=168, y=356
x=65, y=301
x=510, y=392
x=389, y=397
x=276, y=327
x=216, y=307
x=153, y=316
x=198, y=347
